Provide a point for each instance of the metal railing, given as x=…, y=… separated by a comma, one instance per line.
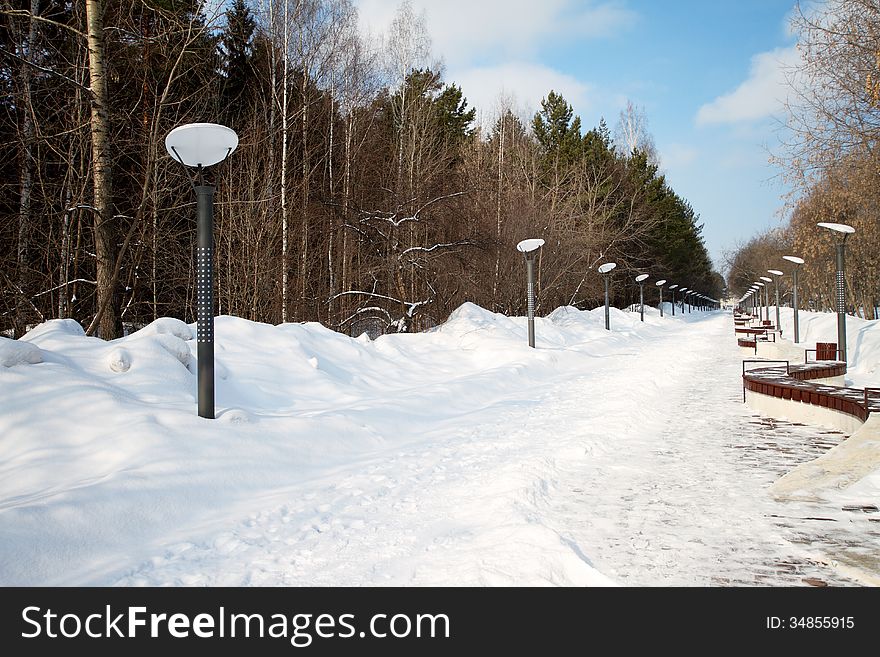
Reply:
x=837, y=352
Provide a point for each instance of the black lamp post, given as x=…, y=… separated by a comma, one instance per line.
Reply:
x=530, y=249
x=672, y=287
x=201, y=145
x=776, y=274
x=640, y=279
x=843, y=231
x=659, y=285
x=765, y=280
x=759, y=285
x=794, y=297
x=605, y=270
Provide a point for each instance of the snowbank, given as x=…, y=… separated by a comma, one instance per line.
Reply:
x=849, y=462
x=15, y=352
x=104, y=461
x=317, y=467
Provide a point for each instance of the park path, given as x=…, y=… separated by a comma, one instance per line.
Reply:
x=687, y=503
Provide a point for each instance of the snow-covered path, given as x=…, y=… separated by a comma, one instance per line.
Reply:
x=688, y=504
x=648, y=468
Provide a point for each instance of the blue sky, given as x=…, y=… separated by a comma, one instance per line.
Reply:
x=708, y=73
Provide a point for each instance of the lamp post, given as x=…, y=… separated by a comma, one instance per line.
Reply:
x=673, y=287
x=605, y=270
x=760, y=304
x=659, y=285
x=766, y=279
x=794, y=298
x=640, y=279
x=201, y=145
x=776, y=274
x=530, y=248
x=843, y=231
x=683, y=291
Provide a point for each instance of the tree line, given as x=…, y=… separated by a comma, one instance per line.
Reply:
x=830, y=156
x=363, y=194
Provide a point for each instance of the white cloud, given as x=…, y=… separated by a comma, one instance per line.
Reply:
x=526, y=83
x=761, y=95
x=463, y=30
x=678, y=156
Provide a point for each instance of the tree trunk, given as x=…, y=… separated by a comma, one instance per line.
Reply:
x=331, y=223
x=304, y=208
x=346, y=185
x=65, y=257
x=285, y=252
x=500, y=181
x=107, y=315
x=26, y=179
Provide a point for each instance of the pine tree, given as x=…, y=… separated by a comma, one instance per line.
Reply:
x=454, y=117
x=237, y=49
x=556, y=128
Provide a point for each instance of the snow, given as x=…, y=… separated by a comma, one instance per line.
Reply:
x=459, y=456
x=13, y=352
x=862, y=341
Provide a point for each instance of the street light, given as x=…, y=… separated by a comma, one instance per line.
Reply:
x=605, y=270
x=203, y=145
x=766, y=280
x=530, y=248
x=659, y=285
x=843, y=231
x=776, y=274
x=672, y=287
x=683, y=291
x=794, y=299
x=640, y=279
x=760, y=306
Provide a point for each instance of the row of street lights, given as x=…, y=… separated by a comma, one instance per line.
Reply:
x=201, y=145
x=530, y=249
x=842, y=231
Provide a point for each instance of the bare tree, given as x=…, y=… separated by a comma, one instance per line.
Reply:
x=833, y=109
x=632, y=133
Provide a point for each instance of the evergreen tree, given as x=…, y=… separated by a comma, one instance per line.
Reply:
x=455, y=118
x=556, y=128
x=237, y=51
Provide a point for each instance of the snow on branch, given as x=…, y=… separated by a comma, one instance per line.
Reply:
x=396, y=220
x=429, y=249
x=411, y=306
x=70, y=282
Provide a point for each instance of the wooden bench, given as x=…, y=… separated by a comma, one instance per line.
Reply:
x=796, y=382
